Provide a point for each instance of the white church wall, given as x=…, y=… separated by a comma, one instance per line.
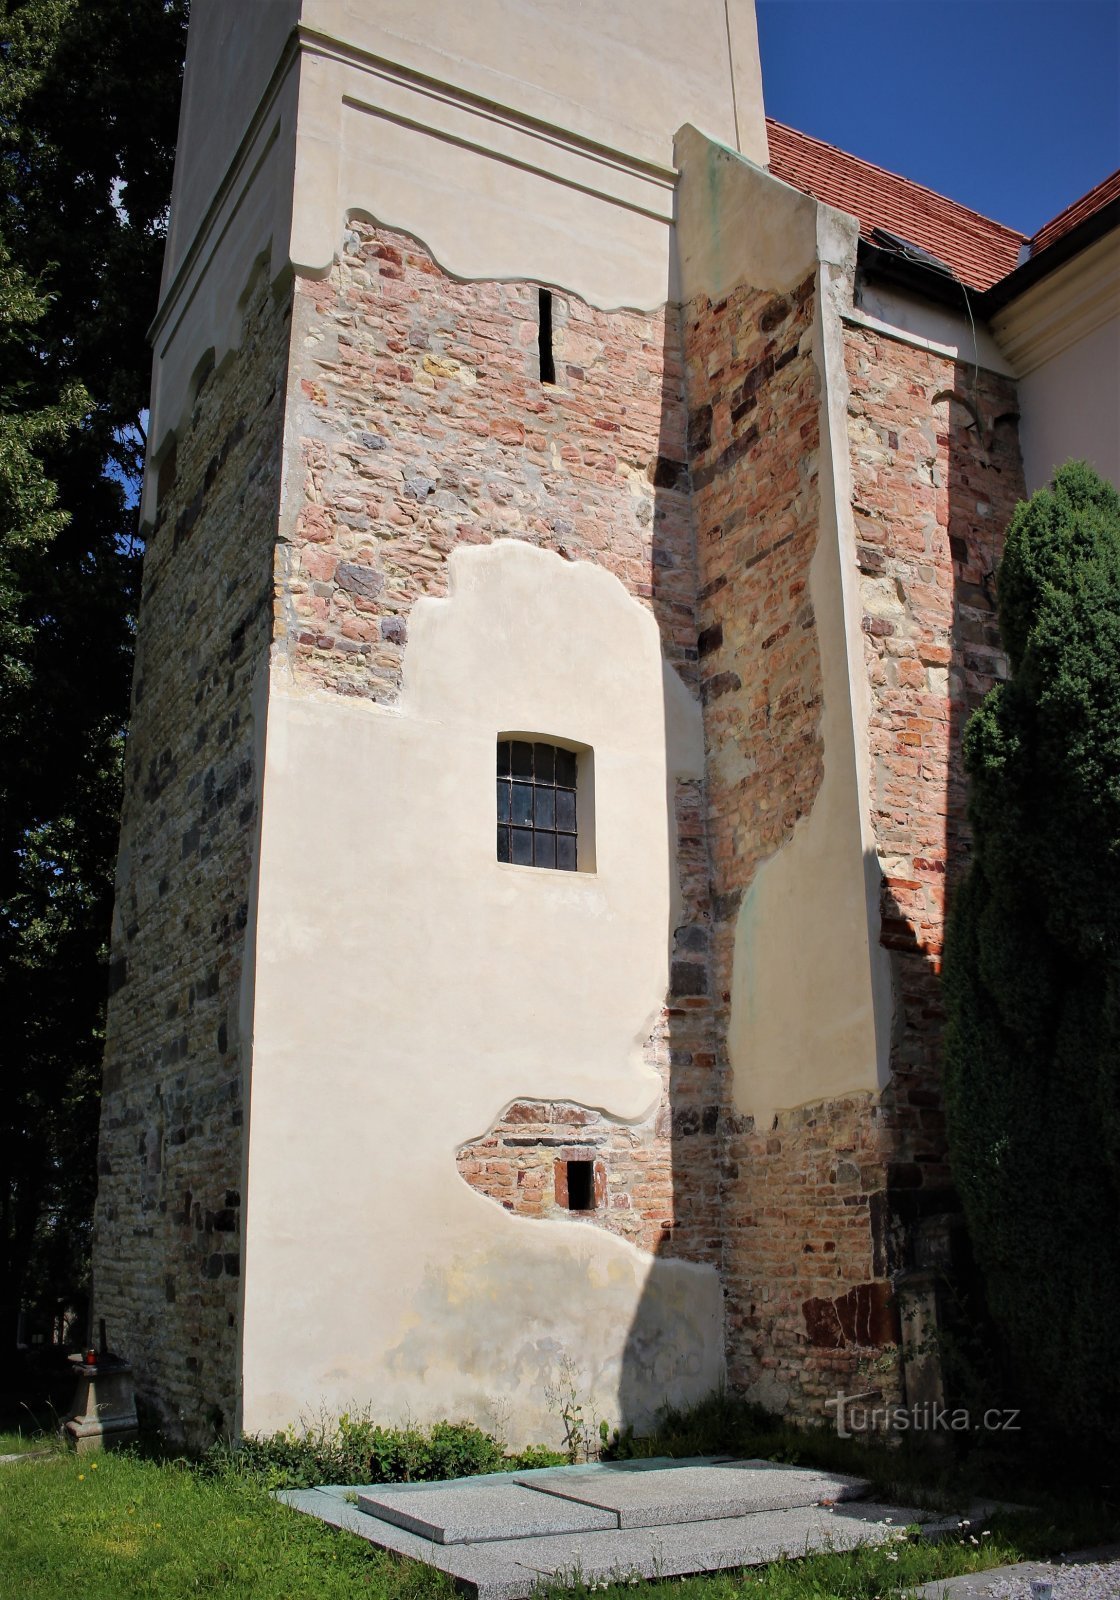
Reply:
x=409, y=986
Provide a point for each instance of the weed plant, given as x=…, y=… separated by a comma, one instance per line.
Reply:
x=881, y=1572
x=353, y=1449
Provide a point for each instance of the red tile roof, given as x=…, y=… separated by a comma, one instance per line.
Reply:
x=978, y=250
x=1080, y=211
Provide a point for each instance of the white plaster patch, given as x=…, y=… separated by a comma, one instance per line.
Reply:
x=409, y=986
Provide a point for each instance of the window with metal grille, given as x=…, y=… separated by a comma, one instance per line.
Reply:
x=536, y=804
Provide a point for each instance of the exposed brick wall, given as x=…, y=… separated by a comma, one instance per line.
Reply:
x=423, y=424
x=809, y=1305
x=936, y=474
x=517, y=1163
x=754, y=437
x=167, y=1237
x=417, y=421
x=797, y=1250
x=694, y=1080
x=820, y=1210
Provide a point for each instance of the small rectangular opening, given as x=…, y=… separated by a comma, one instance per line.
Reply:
x=544, y=336
x=581, y=1186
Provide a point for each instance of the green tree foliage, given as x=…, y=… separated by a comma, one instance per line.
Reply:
x=29, y=514
x=1033, y=962
x=89, y=95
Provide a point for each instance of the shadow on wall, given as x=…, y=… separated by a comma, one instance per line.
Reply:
x=690, y=1227
x=752, y=441
x=936, y=476
x=920, y=797
x=685, y=1198
x=870, y=1213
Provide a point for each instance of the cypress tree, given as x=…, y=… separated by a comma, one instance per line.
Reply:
x=1032, y=974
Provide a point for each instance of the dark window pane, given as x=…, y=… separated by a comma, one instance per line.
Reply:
x=544, y=808
x=566, y=810
x=536, y=804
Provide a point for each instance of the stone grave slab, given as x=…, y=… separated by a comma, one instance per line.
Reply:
x=637, y=1464
x=687, y=1494
x=514, y=1569
x=477, y=1511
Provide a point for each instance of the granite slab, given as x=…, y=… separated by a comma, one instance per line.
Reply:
x=637, y=1464
x=514, y=1569
x=1083, y=1575
x=468, y=1513
x=685, y=1494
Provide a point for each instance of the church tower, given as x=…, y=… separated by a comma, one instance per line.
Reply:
x=498, y=989
x=413, y=381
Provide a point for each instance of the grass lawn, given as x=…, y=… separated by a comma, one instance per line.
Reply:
x=17, y=1441
x=111, y=1527
x=114, y=1527
x=12, y=1444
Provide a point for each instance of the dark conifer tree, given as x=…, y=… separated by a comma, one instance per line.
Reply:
x=1033, y=963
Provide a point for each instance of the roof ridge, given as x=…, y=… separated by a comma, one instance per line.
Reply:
x=873, y=166
x=1083, y=202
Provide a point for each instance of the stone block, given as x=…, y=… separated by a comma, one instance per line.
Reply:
x=700, y=1494
x=480, y=1510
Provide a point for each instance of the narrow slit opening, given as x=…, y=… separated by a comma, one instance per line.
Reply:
x=544, y=336
x=581, y=1186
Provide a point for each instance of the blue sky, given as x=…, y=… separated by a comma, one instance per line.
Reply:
x=1011, y=106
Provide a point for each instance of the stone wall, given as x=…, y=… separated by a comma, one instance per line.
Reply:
x=754, y=436
x=823, y=1208
x=796, y=1241
x=167, y=1237
x=811, y=1310
x=423, y=423
x=936, y=474
x=521, y=1164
